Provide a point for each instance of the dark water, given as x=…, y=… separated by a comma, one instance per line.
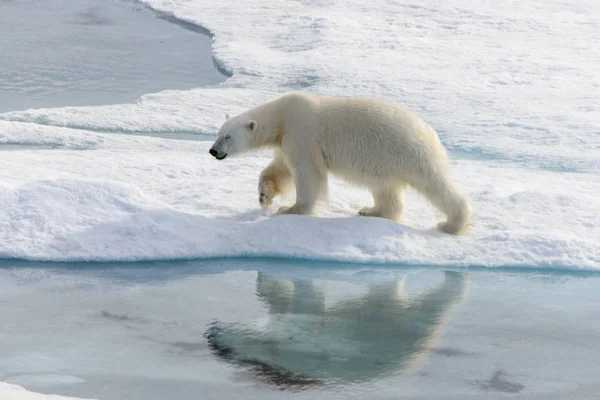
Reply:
x=94, y=52
x=269, y=329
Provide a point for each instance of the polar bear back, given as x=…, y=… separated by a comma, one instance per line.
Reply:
x=364, y=139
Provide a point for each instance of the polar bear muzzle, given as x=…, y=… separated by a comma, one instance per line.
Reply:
x=217, y=155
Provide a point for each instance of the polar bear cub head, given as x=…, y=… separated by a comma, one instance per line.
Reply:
x=235, y=136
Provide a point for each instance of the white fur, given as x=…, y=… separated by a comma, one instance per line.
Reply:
x=366, y=142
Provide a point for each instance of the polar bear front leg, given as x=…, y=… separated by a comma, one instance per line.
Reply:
x=389, y=203
x=275, y=179
x=309, y=181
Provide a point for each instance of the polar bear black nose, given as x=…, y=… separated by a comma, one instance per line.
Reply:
x=213, y=152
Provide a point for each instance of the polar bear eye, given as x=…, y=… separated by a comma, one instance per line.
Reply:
x=227, y=137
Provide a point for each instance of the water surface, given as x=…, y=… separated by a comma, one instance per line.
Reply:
x=266, y=329
x=94, y=52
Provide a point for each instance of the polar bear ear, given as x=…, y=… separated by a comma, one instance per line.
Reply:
x=226, y=116
x=251, y=125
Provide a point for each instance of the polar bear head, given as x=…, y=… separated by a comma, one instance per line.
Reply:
x=258, y=127
x=235, y=136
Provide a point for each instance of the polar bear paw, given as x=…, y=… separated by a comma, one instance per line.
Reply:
x=284, y=210
x=267, y=190
x=297, y=209
x=391, y=214
x=450, y=227
x=368, y=212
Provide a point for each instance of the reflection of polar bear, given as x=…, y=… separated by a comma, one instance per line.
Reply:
x=367, y=142
x=355, y=340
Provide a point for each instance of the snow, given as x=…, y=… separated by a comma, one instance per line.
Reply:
x=524, y=74
x=15, y=392
x=511, y=89
x=90, y=196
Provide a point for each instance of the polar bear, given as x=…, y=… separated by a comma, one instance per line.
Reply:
x=366, y=142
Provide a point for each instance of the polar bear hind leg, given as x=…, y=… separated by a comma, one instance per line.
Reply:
x=447, y=198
